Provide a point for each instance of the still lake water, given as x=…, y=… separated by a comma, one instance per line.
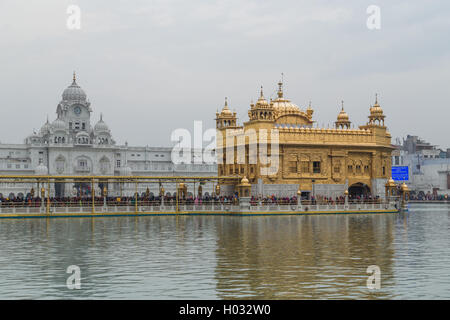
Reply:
x=223, y=257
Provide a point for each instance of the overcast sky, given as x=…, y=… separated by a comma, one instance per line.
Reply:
x=153, y=66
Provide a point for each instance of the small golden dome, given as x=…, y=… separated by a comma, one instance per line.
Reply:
x=390, y=183
x=262, y=102
x=342, y=116
x=244, y=180
x=225, y=109
x=404, y=187
x=376, y=110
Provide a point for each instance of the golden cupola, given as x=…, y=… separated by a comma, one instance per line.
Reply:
x=343, y=119
x=376, y=116
x=226, y=118
x=262, y=102
x=288, y=113
x=282, y=104
x=262, y=110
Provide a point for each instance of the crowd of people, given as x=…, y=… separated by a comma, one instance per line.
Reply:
x=116, y=201
x=429, y=197
x=149, y=200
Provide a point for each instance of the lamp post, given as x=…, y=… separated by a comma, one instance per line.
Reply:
x=405, y=196
x=161, y=194
x=48, y=196
x=42, y=197
x=299, y=199
x=93, y=195
x=105, y=193
x=346, y=200
x=136, y=194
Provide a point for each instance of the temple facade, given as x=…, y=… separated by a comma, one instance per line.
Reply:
x=72, y=145
x=302, y=156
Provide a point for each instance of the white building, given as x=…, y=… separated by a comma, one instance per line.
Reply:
x=71, y=145
x=428, y=167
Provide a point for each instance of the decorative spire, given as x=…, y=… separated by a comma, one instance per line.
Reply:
x=74, y=78
x=262, y=94
x=101, y=116
x=47, y=118
x=342, y=102
x=280, y=86
x=376, y=98
x=225, y=109
x=280, y=89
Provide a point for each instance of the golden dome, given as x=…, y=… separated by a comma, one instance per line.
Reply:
x=376, y=110
x=225, y=109
x=245, y=182
x=262, y=102
x=283, y=104
x=390, y=183
x=342, y=119
x=342, y=116
x=404, y=187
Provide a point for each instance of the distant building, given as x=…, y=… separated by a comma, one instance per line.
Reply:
x=71, y=145
x=428, y=166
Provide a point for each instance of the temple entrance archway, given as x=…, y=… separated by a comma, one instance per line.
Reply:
x=358, y=189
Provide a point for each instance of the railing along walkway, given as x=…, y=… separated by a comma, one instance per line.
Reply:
x=206, y=208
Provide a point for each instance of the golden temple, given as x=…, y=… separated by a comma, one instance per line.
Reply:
x=315, y=160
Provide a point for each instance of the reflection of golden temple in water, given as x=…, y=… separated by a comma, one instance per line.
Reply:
x=315, y=257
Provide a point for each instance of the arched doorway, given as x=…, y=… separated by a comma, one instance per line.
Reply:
x=101, y=186
x=358, y=189
x=83, y=188
x=59, y=189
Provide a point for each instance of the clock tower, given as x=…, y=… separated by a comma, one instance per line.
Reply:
x=74, y=108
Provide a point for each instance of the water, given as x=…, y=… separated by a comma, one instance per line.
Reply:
x=223, y=257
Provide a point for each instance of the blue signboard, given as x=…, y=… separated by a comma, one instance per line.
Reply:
x=400, y=173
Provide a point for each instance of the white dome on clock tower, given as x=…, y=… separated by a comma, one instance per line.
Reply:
x=74, y=92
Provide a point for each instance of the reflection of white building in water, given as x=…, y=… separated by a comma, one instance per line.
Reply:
x=70, y=145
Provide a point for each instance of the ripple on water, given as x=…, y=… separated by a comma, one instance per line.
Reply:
x=292, y=257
